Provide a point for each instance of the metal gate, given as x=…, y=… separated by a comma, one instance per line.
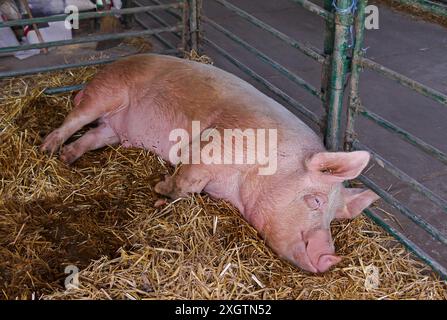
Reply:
x=128, y=11
x=342, y=56
x=342, y=59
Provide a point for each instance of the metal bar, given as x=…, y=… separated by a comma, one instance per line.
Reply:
x=160, y=20
x=435, y=8
x=298, y=106
x=405, y=81
x=357, y=53
x=36, y=29
x=284, y=71
x=308, y=50
x=410, y=245
x=328, y=49
x=17, y=73
x=402, y=176
x=64, y=89
x=193, y=25
x=435, y=233
x=312, y=7
x=405, y=135
x=88, y=15
x=93, y=38
x=157, y=18
x=128, y=19
x=185, y=32
x=339, y=68
x=171, y=12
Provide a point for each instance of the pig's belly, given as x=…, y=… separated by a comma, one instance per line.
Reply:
x=143, y=130
x=143, y=127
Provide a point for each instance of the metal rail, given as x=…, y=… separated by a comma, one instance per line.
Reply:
x=93, y=38
x=340, y=60
x=307, y=49
x=159, y=7
x=263, y=57
x=356, y=108
x=89, y=15
x=278, y=92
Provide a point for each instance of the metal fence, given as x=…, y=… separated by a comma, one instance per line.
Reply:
x=342, y=55
x=182, y=24
x=356, y=108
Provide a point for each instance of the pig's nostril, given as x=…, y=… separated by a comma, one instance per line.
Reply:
x=326, y=261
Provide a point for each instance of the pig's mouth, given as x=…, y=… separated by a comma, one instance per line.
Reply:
x=315, y=251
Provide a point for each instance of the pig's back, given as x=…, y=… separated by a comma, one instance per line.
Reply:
x=185, y=90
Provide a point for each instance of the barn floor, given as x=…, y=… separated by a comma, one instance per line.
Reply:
x=199, y=248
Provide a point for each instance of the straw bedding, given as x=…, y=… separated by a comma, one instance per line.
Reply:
x=99, y=215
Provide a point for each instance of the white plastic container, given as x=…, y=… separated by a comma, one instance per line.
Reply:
x=7, y=39
x=55, y=31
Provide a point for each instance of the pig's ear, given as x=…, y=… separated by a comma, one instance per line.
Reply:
x=338, y=166
x=356, y=200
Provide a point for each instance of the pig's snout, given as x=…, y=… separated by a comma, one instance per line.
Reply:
x=315, y=251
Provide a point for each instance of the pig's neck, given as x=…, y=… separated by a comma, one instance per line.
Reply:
x=252, y=196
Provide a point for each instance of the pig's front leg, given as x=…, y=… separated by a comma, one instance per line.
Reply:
x=189, y=179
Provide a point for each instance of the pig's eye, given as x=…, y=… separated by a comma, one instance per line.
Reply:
x=314, y=201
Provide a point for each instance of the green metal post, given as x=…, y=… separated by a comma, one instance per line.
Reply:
x=191, y=21
x=185, y=23
x=194, y=24
x=356, y=67
x=327, y=50
x=128, y=19
x=339, y=67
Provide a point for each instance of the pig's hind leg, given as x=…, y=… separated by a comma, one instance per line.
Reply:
x=189, y=179
x=89, y=106
x=95, y=138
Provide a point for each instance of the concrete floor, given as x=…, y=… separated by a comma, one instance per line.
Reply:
x=411, y=46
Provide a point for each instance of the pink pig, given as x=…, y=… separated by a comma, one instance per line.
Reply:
x=138, y=101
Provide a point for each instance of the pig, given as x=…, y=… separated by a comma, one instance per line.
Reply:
x=139, y=100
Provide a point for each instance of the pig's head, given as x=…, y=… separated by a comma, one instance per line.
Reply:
x=299, y=230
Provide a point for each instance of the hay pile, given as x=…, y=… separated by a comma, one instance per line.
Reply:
x=99, y=215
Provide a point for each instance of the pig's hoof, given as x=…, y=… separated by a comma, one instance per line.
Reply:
x=160, y=202
x=52, y=142
x=165, y=187
x=68, y=155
